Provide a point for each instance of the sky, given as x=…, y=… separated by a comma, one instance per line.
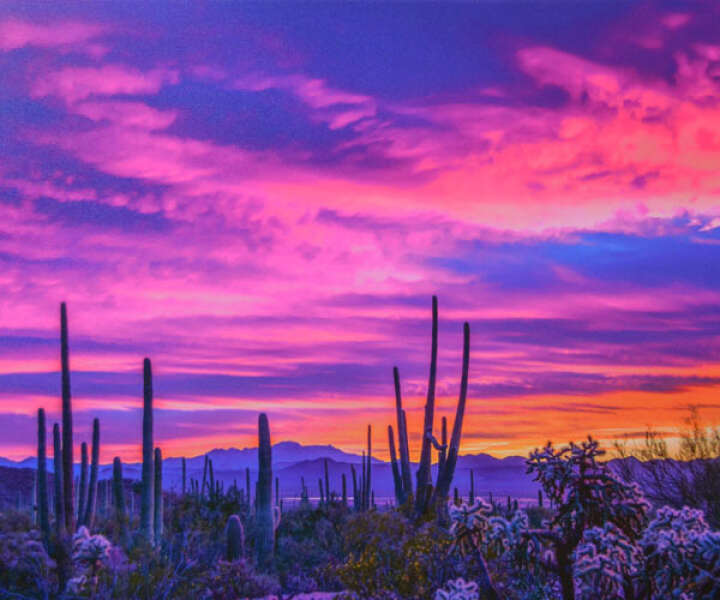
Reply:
x=262, y=198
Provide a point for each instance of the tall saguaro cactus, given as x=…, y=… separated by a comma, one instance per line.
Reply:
x=263, y=496
x=368, y=476
x=184, y=475
x=158, y=504
x=397, y=479
x=445, y=476
x=423, y=473
x=94, y=466
x=82, y=491
x=67, y=425
x=60, y=524
x=146, y=500
x=403, y=448
x=327, y=480
x=42, y=495
x=119, y=499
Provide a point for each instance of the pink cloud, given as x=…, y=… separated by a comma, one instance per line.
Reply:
x=77, y=83
x=16, y=33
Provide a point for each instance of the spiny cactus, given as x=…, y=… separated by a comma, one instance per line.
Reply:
x=119, y=498
x=42, y=495
x=471, y=498
x=445, y=476
x=356, y=498
x=58, y=487
x=82, y=490
x=146, y=500
x=368, y=467
x=263, y=496
x=158, y=500
x=67, y=424
x=403, y=448
x=184, y=475
x=344, y=490
x=397, y=479
x=442, y=453
x=204, y=479
x=423, y=473
x=235, y=534
x=89, y=516
x=327, y=480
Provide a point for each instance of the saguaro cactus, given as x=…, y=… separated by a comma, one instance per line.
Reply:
x=67, y=424
x=344, y=490
x=235, y=538
x=356, y=498
x=58, y=488
x=263, y=496
x=158, y=503
x=442, y=453
x=403, y=448
x=89, y=516
x=146, y=500
x=119, y=499
x=42, y=495
x=184, y=475
x=471, y=499
x=82, y=490
x=368, y=476
x=445, y=476
x=247, y=486
x=327, y=480
x=397, y=480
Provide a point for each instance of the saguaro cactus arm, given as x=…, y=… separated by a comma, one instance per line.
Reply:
x=82, y=491
x=399, y=494
x=158, y=500
x=445, y=478
x=403, y=447
x=89, y=516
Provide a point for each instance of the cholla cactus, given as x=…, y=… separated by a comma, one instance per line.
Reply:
x=459, y=589
x=605, y=564
x=681, y=553
x=469, y=524
x=509, y=537
x=90, y=550
x=586, y=494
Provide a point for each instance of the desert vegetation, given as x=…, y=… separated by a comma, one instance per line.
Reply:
x=599, y=529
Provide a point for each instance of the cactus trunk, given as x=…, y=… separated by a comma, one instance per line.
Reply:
x=58, y=487
x=472, y=487
x=403, y=447
x=442, y=453
x=327, y=480
x=368, y=477
x=344, y=490
x=89, y=516
x=397, y=480
x=158, y=501
x=263, y=513
x=42, y=495
x=446, y=476
x=119, y=500
x=82, y=491
x=356, y=503
x=67, y=425
x=247, y=486
x=423, y=472
x=235, y=539
x=184, y=475
x=146, y=499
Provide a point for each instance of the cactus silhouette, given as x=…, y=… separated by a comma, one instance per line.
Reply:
x=327, y=480
x=265, y=542
x=235, y=538
x=67, y=425
x=397, y=479
x=89, y=516
x=146, y=499
x=445, y=476
x=119, y=501
x=82, y=490
x=42, y=495
x=158, y=501
x=184, y=475
x=58, y=487
x=344, y=490
x=423, y=473
x=472, y=487
x=403, y=448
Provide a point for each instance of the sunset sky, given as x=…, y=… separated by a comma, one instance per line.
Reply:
x=262, y=198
